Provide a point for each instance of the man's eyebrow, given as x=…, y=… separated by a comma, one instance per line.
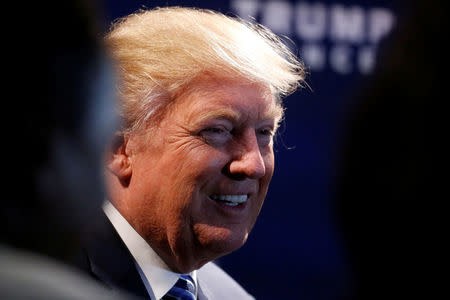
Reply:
x=222, y=113
x=275, y=112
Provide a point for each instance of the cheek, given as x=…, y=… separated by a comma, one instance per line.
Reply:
x=269, y=163
x=183, y=175
x=202, y=166
x=265, y=180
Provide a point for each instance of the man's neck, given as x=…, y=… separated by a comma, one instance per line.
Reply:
x=156, y=275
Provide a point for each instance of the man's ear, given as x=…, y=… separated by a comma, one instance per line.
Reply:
x=118, y=159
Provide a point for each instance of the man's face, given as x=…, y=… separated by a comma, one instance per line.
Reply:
x=200, y=178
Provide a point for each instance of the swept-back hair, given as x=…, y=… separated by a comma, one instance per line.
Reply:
x=160, y=51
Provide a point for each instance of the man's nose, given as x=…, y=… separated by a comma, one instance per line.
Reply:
x=248, y=161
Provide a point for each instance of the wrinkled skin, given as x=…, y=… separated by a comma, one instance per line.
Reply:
x=215, y=139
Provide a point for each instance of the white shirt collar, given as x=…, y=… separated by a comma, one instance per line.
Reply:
x=157, y=275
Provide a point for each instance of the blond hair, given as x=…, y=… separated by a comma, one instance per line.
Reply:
x=160, y=51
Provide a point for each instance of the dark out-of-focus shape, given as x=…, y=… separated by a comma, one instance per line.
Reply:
x=59, y=116
x=381, y=185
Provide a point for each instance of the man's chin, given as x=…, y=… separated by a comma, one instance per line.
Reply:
x=219, y=241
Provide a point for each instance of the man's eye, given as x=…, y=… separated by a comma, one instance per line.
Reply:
x=217, y=130
x=267, y=131
x=216, y=135
x=265, y=136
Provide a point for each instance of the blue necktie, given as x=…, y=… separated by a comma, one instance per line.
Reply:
x=184, y=289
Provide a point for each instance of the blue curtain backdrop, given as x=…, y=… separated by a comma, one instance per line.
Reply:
x=296, y=249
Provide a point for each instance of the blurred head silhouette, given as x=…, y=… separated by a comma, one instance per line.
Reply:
x=383, y=160
x=64, y=103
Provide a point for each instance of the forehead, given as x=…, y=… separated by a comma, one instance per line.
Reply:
x=231, y=99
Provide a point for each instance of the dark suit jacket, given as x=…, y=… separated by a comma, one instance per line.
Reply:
x=106, y=258
x=31, y=275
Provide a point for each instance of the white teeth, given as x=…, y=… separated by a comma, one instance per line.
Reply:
x=231, y=200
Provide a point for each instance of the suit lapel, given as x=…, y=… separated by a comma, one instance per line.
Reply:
x=112, y=263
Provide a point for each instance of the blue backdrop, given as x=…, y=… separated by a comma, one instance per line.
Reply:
x=296, y=249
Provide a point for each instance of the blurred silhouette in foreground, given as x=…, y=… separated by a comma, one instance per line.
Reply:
x=61, y=114
x=383, y=164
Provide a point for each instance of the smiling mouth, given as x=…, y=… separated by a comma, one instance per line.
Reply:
x=230, y=200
